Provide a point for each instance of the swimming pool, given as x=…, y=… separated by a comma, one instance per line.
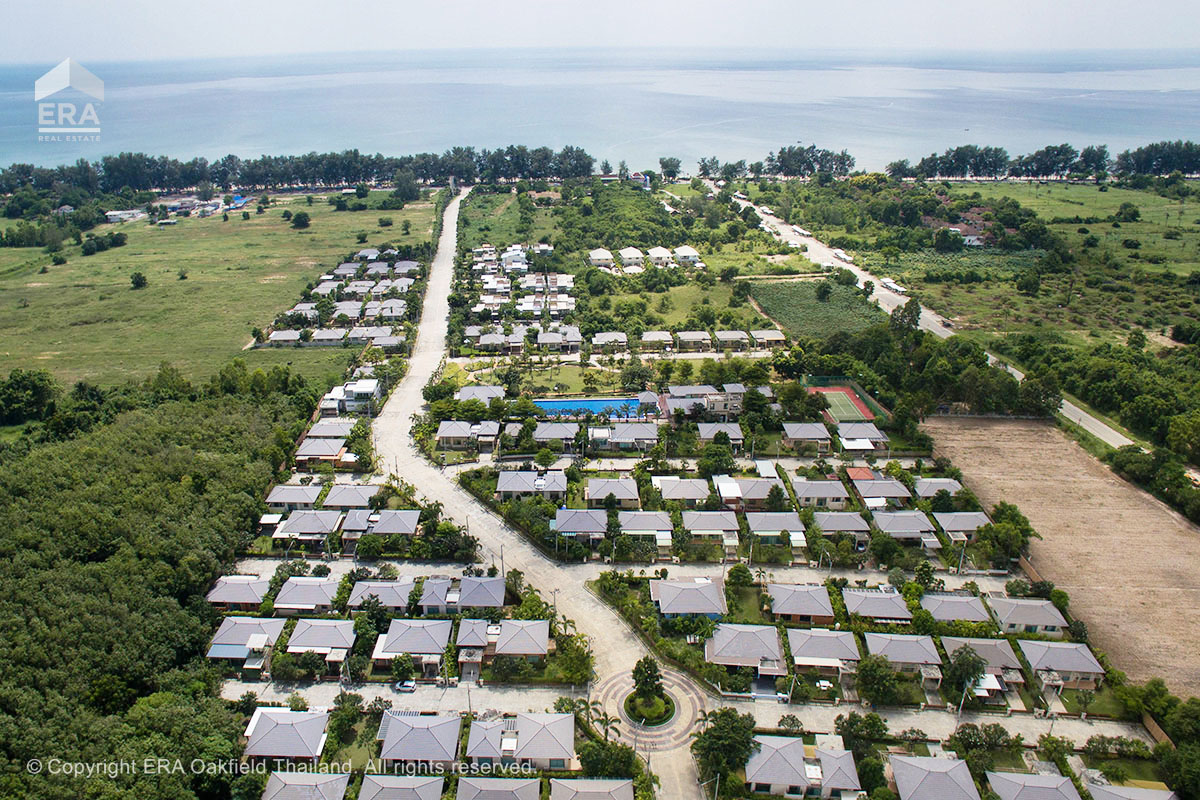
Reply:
x=620, y=406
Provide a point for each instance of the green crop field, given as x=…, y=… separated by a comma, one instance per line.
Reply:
x=794, y=305
x=82, y=320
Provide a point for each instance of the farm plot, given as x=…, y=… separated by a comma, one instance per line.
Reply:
x=1128, y=562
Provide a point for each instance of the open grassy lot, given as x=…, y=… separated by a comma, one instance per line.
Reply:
x=82, y=320
x=495, y=219
x=673, y=308
x=794, y=305
x=1159, y=216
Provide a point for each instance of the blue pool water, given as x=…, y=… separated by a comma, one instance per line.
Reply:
x=623, y=406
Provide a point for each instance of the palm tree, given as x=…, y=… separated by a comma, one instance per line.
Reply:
x=591, y=708
x=606, y=723
x=761, y=575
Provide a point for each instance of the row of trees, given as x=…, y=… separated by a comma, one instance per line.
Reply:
x=142, y=172
x=1160, y=158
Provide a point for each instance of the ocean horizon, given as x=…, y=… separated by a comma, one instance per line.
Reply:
x=622, y=104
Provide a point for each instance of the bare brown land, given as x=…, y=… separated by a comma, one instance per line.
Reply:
x=1129, y=563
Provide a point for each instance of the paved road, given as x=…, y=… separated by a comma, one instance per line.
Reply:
x=820, y=253
x=615, y=654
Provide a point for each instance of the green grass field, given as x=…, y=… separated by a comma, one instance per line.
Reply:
x=83, y=321
x=1159, y=215
x=494, y=218
x=794, y=305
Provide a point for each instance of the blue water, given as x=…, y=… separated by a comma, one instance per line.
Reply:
x=633, y=104
x=624, y=406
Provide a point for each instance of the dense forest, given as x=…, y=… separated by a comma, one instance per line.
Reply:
x=110, y=539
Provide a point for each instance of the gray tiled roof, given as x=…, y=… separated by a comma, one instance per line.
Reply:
x=903, y=648
x=688, y=596
x=778, y=760
x=876, y=603
x=644, y=520
x=579, y=520
x=922, y=778
x=882, y=487
x=316, y=448
x=308, y=786
x=321, y=634
x=472, y=633
x=526, y=637
x=454, y=429
x=401, y=787
x=806, y=489
x=709, y=430
x=811, y=599
x=1059, y=656
x=396, y=520
x=293, y=494
x=236, y=631
x=393, y=594
x=682, y=489
x=998, y=653
x=1026, y=611
x=591, y=789
x=307, y=522
x=960, y=520
x=710, y=520
x=238, y=589
x=301, y=592
x=633, y=432
x=472, y=788
x=811, y=644
x=812, y=431
x=553, y=431
x=903, y=524
x=350, y=495
x=278, y=732
x=539, y=736
x=620, y=488
x=837, y=770
x=947, y=607
x=434, y=591
x=928, y=487
x=479, y=392
x=1022, y=786
x=1129, y=793
x=840, y=522
x=746, y=646
x=331, y=428
x=860, y=430
x=481, y=592
x=419, y=738
x=417, y=636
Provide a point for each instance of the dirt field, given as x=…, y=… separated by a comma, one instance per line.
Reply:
x=1129, y=563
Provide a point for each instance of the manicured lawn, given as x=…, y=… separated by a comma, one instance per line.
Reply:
x=82, y=320
x=1137, y=769
x=672, y=309
x=746, y=606
x=1105, y=703
x=654, y=711
x=794, y=305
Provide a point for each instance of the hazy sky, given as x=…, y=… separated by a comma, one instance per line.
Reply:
x=123, y=30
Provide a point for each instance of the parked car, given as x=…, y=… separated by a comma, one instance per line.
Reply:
x=406, y=686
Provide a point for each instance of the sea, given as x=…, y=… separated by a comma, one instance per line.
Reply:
x=634, y=104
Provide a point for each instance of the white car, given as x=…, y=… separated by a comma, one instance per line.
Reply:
x=406, y=686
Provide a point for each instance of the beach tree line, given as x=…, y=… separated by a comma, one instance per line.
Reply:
x=1053, y=161
x=141, y=172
